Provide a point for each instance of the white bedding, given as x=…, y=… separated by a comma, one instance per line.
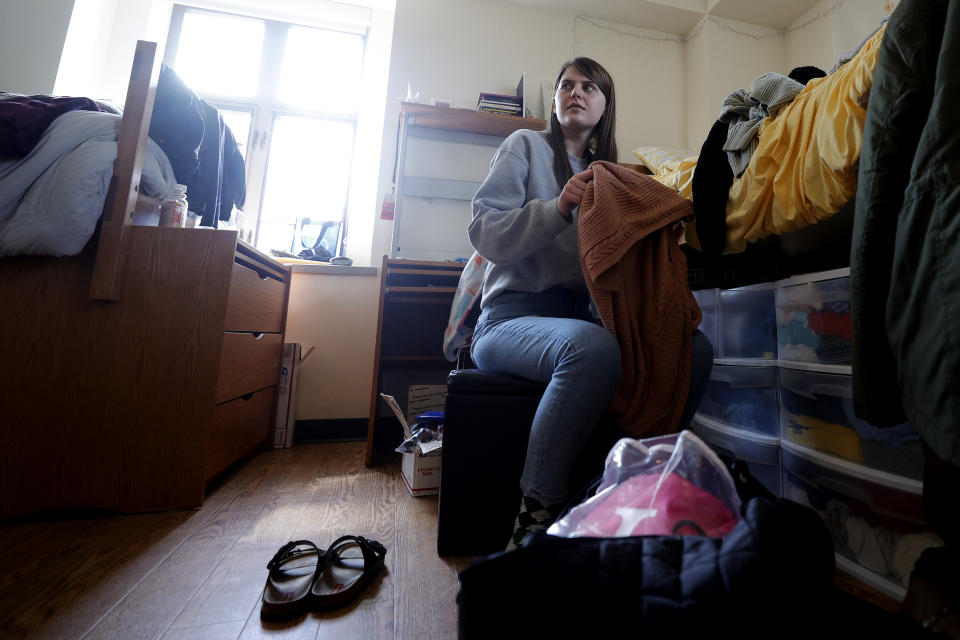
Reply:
x=51, y=200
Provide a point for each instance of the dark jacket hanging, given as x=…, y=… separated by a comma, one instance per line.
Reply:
x=905, y=257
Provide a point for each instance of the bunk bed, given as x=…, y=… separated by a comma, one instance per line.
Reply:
x=141, y=367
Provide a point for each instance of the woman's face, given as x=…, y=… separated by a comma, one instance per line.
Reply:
x=578, y=101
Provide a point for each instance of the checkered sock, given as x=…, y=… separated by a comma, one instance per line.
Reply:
x=533, y=516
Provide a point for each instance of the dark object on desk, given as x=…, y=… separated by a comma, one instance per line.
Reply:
x=320, y=240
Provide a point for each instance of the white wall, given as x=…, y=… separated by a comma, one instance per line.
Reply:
x=129, y=25
x=32, y=33
x=854, y=20
x=85, y=49
x=648, y=73
x=828, y=30
x=364, y=178
x=100, y=43
x=811, y=45
x=723, y=56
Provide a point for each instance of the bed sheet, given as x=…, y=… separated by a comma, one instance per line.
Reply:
x=805, y=166
x=51, y=200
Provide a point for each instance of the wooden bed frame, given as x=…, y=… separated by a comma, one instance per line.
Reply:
x=112, y=383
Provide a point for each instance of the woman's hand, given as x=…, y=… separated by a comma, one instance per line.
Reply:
x=572, y=193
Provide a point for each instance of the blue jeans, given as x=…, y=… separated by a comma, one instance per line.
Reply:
x=551, y=337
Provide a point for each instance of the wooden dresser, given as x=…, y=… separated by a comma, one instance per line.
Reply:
x=134, y=405
x=250, y=359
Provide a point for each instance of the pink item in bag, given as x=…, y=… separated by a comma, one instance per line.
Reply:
x=638, y=506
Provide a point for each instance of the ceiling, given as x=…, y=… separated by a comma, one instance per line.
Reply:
x=680, y=16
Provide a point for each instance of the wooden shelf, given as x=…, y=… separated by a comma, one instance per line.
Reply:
x=426, y=272
x=421, y=289
x=400, y=265
x=480, y=122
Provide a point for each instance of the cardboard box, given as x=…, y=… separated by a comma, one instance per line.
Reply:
x=420, y=470
x=285, y=420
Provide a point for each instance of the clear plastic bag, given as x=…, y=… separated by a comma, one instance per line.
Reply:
x=424, y=438
x=668, y=485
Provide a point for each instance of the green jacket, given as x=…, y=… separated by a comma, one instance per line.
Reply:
x=905, y=255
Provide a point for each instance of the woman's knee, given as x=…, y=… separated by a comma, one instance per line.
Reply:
x=597, y=354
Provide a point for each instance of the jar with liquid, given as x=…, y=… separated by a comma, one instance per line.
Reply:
x=173, y=209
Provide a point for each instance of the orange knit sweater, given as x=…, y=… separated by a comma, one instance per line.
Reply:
x=637, y=277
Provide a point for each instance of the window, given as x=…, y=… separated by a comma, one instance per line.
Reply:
x=289, y=94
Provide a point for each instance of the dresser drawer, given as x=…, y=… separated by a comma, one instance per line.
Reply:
x=238, y=427
x=248, y=362
x=256, y=301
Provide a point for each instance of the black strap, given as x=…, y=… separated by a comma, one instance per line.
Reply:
x=366, y=545
x=370, y=548
x=290, y=549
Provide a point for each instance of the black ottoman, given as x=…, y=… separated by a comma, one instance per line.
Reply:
x=486, y=425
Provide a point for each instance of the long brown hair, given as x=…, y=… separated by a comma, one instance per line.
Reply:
x=602, y=144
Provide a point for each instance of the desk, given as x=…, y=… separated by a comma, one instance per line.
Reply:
x=415, y=298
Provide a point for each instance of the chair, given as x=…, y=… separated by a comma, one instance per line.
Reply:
x=487, y=421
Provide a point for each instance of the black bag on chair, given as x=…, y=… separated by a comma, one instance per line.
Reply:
x=778, y=556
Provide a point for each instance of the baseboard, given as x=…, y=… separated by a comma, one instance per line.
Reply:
x=338, y=430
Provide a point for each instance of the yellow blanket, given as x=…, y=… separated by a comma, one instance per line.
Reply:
x=805, y=166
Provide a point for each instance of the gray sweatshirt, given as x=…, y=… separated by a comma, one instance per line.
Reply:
x=516, y=224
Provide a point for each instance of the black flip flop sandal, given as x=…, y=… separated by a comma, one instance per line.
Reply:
x=351, y=563
x=293, y=569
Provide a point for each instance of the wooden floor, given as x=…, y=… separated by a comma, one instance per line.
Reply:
x=199, y=574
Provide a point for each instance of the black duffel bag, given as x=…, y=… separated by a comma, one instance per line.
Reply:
x=772, y=576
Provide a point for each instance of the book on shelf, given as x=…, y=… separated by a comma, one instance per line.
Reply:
x=500, y=98
x=505, y=104
x=499, y=103
x=503, y=112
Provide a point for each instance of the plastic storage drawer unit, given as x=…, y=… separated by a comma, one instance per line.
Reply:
x=743, y=397
x=707, y=299
x=813, y=318
x=760, y=453
x=874, y=518
x=748, y=323
x=816, y=411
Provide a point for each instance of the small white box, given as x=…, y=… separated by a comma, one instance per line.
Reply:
x=421, y=472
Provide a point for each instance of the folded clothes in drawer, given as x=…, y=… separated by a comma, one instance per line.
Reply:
x=817, y=411
x=813, y=319
x=743, y=397
x=748, y=323
x=707, y=300
x=760, y=453
x=874, y=518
